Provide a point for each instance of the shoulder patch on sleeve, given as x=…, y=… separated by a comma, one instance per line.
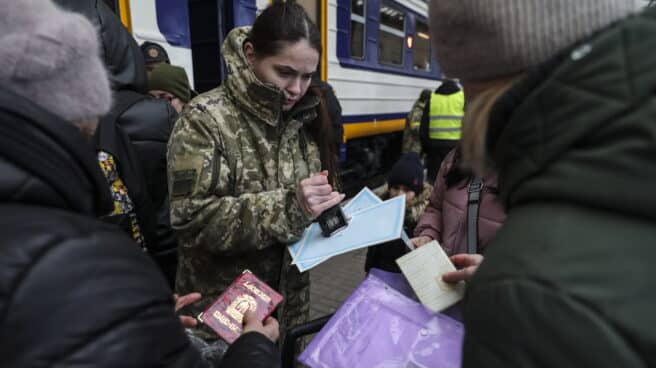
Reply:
x=185, y=174
x=184, y=182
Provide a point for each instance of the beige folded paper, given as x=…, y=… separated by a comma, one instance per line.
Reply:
x=423, y=268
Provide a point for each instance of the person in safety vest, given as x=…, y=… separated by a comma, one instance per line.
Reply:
x=441, y=124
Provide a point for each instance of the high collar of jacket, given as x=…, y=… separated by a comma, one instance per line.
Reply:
x=262, y=100
x=46, y=162
x=580, y=128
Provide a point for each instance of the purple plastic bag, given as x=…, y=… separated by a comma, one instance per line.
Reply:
x=398, y=281
x=379, y=326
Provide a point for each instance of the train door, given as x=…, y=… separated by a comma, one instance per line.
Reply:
x=209, y=23
x=207, y=28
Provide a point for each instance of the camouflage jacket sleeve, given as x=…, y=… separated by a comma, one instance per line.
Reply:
x=411, y=139
x=204, y=211
x=430, y=222
x=415, y=208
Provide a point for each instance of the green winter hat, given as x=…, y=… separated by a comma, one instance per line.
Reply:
x=171, y=79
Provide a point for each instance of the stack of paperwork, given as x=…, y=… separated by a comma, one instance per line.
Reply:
x=371, y=221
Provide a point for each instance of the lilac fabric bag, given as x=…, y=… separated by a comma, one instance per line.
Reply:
x=382, y=326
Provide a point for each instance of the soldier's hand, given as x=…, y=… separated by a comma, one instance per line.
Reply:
x=316, y=195
x=269, y=328
x=420, y=240
x=183, y=301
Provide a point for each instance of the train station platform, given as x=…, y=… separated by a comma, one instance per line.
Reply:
x=334, y=280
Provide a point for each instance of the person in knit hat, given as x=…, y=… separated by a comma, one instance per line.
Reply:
x=52, y=62
x=170, y=83
x=560, y=102
x=406, y=176
x=104, y=302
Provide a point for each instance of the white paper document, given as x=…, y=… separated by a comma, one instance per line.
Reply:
x=423, y=268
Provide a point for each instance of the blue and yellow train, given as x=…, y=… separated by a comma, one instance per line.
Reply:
x=377, y=58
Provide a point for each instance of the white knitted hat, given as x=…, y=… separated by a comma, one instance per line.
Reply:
x=484, y=39
x=52, y=57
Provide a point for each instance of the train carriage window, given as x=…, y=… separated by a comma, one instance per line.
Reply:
x=422, y=52
x=357, y=28
x=391, y=36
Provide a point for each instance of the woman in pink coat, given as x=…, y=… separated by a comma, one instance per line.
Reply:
x=445, y=218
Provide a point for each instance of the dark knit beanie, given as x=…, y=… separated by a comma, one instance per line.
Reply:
x=408, y=171
x=154, y=53
x=171, y=79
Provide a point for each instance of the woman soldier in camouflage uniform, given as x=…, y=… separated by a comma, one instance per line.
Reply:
x=245, y=164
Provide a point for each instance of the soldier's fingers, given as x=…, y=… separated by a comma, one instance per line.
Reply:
x=317, y=179
x=325, y=189
x=317, y=209
x=316, y=202
x=305, y=182
x=319, y=199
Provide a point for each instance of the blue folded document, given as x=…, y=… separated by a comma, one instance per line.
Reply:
x=371, y=222
x=366, y=198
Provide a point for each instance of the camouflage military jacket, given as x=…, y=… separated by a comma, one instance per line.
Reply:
x=234, y=161
x=415, y=208
x=411, y=139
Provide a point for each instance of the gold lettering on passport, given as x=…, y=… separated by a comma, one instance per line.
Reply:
x=225, y=321
x=257, y=291
x=240, y=305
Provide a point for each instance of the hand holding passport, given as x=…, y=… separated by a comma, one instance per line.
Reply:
x=246, y=294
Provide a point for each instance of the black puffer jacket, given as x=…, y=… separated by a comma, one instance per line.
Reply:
x=147, y=122
x=73, y=291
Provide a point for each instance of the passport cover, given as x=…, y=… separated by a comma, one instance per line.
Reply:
x=225, y=315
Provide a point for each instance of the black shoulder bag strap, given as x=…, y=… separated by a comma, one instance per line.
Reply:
x=473, y=204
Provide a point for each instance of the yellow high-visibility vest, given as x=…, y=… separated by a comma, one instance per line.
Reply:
x=446, y=113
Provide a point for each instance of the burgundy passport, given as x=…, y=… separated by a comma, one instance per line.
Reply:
x=247, y=292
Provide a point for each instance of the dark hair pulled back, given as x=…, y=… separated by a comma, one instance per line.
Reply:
x=322, y=130
x=283, y=22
